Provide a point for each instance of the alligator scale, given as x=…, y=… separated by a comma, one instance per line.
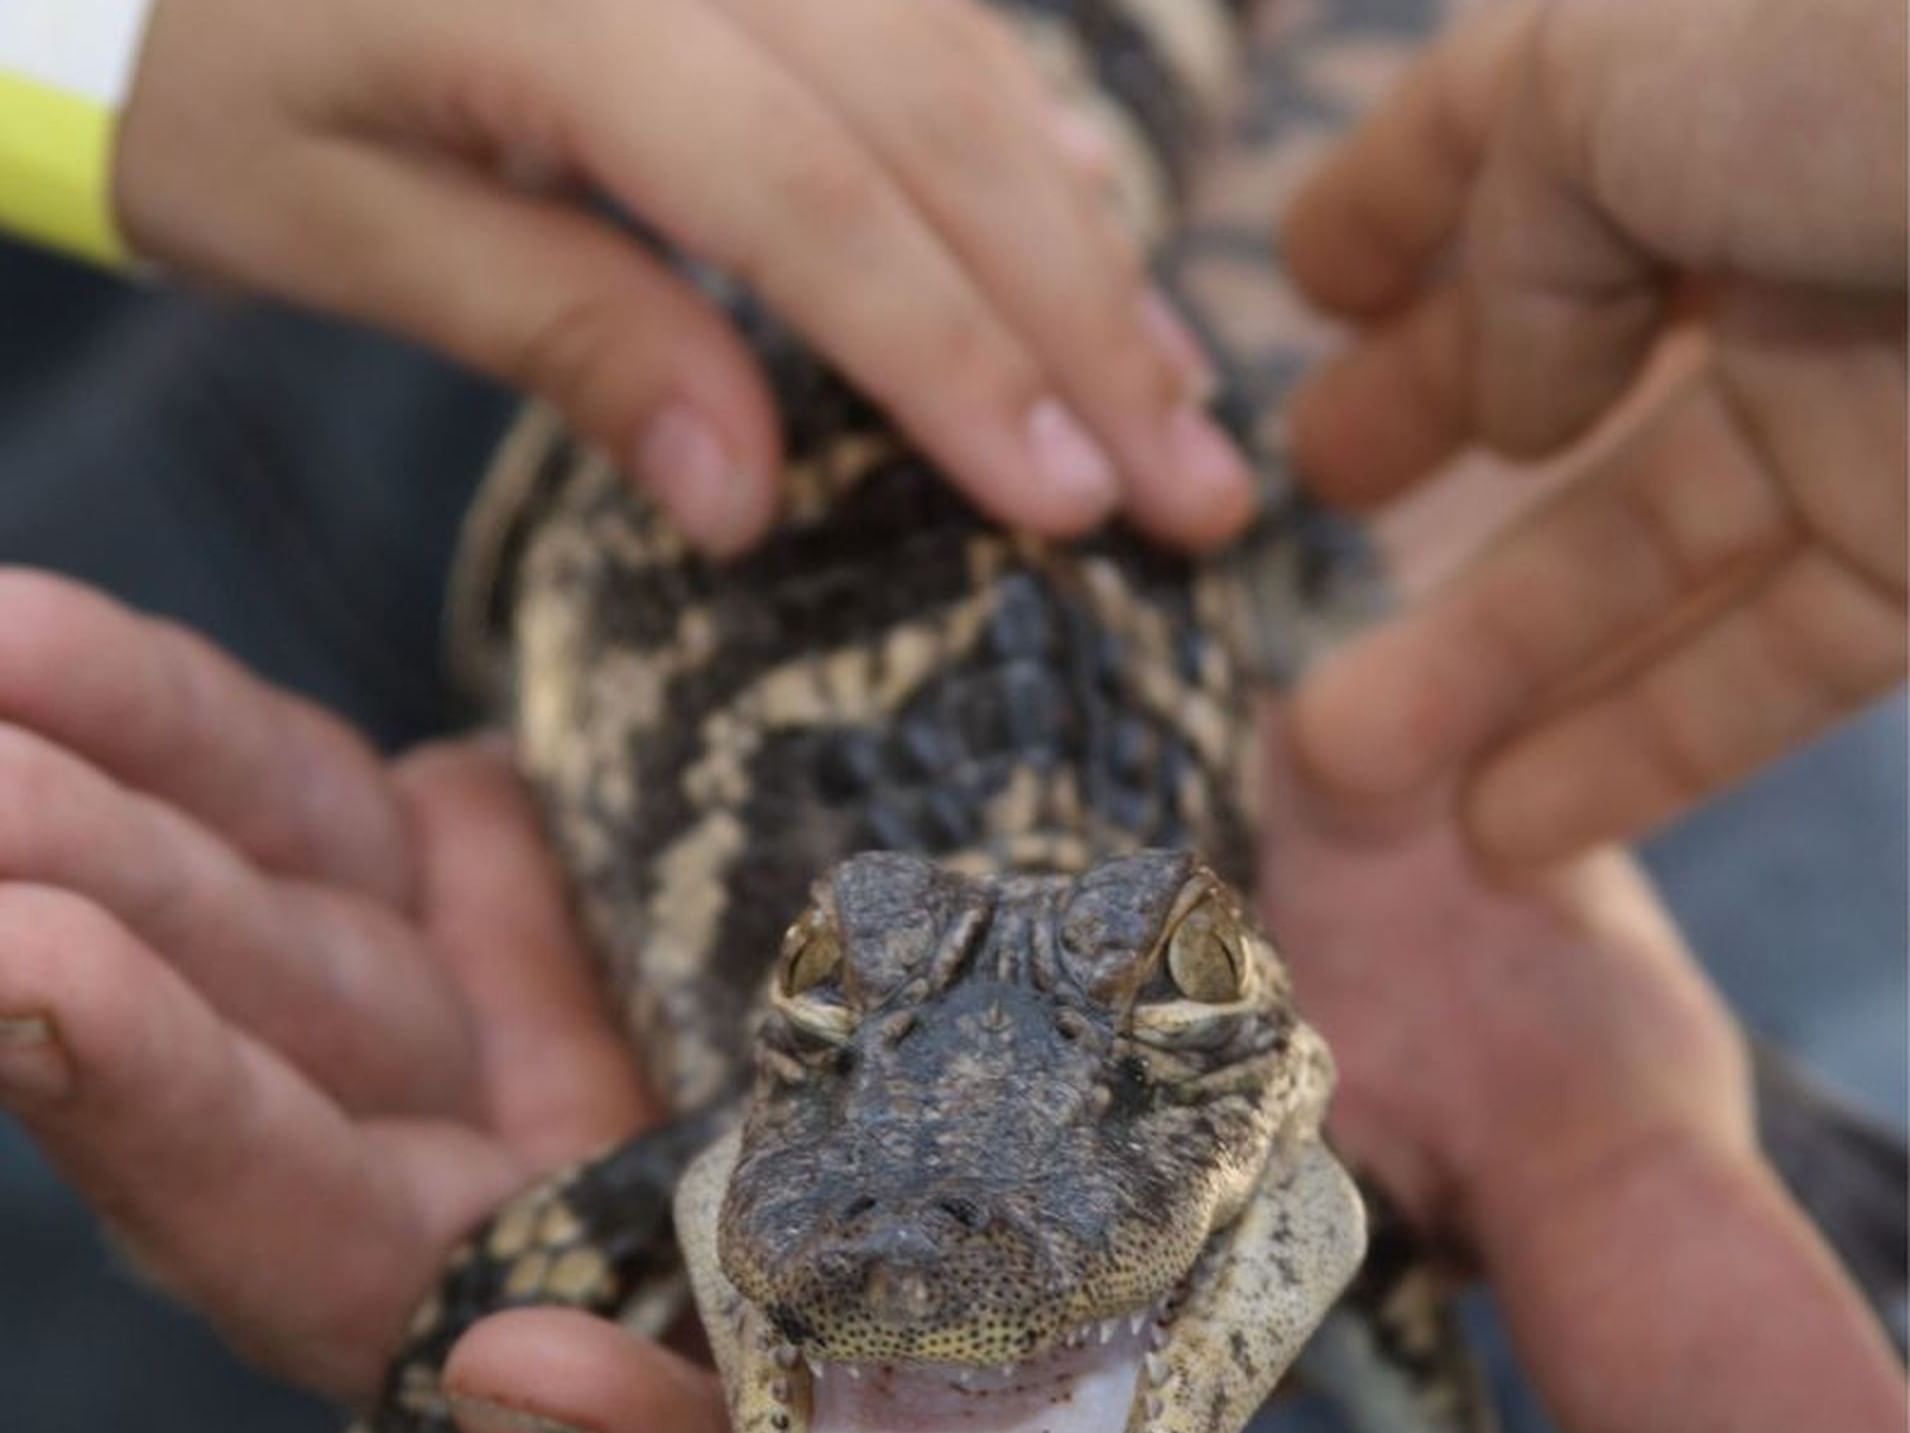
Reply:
x=917, y=854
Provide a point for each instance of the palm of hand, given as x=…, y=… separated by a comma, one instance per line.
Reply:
x=1726, y=575
x=1490, y=1041
x=310, y=1018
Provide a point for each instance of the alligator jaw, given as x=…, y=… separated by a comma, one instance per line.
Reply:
x=1201, y=1361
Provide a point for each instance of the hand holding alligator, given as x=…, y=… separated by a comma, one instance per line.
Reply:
x=864, y=167
x=215, y=952
x=290, y=1020
x=1728, y=577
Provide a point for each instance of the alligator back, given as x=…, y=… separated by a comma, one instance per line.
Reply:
x=888, y=672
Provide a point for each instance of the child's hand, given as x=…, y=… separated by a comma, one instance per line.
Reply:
x=891, y=177
x=1730, y=578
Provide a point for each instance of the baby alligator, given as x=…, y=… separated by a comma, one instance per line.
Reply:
x=918, y=855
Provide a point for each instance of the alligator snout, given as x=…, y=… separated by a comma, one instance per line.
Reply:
x=898, y=1255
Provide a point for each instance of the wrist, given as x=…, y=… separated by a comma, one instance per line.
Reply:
x=1525, y=1204
x=1673, y=1286
x=65, y=71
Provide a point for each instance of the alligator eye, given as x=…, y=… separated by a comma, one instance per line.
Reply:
x=1204, y=956
x=812, y=955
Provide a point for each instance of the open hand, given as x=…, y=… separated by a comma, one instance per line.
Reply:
x=1728, y=579
x=1543, y=1078
x=291, y=1021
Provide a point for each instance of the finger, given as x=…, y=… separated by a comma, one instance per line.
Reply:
x=1567, y=298
x=1684, y=508
x=1361, y=233
x=1812, y=646
x=168, y=714
x=338, y=987
x=576, y=1372
x=1487, y=141
x=1374, y=421
x=1814, y=389
x=545, y=297
x=1816, y=382
x=820, y=232
x=952, y=111
x=826, y=237
x=557, y=1068
x=157, y=1113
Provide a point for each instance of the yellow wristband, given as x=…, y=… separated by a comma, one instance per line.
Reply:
x=65, y=68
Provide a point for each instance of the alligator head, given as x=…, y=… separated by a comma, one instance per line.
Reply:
x=1025, y=1154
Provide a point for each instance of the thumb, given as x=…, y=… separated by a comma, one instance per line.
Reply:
x=558, y=1368
x=1562, y=308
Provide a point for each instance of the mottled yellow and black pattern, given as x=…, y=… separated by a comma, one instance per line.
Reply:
x=1015, y=721
x=889, y=673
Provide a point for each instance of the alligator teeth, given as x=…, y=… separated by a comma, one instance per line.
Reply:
x=1109, y=1329
x=785, y=1356
x=1158, y=1368
x=1135, y=1321
x=854, y=1370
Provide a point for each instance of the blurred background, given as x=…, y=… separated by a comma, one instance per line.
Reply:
x=293, y=489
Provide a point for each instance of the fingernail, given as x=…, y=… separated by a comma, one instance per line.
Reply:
x=1177, y=344
x=1207, y=467
x=480, y=1415
x=1071, y=462
x=33, y=1062
x=683, y=461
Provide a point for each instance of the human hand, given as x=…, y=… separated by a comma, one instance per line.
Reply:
x=891, y=178
x=1543, y=1078
x=1728, y=577
x=292, y=1022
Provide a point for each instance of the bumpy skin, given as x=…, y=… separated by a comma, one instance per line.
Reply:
x=891, y=673
x=888, y=673
x=996, y=1116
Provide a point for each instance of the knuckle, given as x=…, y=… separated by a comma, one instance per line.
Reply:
x=830, y=188
x=977, y=41
x=56, y=948
x=37, y=779
x=1135, y=366
x=958, y=133
x=1685, y=756
x=565, y=353
x=966, y=353
x=38, y=612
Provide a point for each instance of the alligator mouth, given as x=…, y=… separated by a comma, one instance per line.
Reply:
x=1200, y=1359
x=1081, y=1384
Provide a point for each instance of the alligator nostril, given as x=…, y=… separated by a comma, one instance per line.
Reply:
x=856, y=1208
x=961, y=1211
